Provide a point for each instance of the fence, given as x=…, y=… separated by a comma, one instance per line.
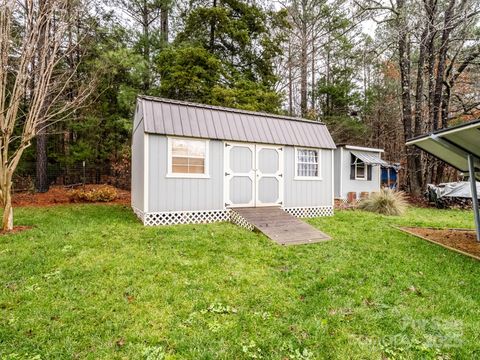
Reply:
x=72, y=175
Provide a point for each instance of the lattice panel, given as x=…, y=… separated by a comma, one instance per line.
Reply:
x=185, y=217
x=239, y=220
x=307, y=212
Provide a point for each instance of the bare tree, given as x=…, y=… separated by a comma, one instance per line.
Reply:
x=436, y=44
x=31, y=34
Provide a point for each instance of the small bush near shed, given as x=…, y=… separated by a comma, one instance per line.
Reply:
x=385, y=202
x=99, y=194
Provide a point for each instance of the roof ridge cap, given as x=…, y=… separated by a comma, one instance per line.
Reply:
x=228, y=109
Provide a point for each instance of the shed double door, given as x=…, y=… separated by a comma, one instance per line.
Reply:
x=253, y=175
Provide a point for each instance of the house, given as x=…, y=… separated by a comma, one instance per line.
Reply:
x=357, y=171
x=192, y=163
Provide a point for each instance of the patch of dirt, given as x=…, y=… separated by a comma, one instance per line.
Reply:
x=463, y=240
x=60, y=195
x=16, y=229
x=419, y=201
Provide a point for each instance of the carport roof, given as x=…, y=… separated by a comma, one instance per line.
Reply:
x=180, y=118
x=453, y=145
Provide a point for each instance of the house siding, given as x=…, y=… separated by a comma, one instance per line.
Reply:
x=183, y=194
x=317, y=192
x=138, y=161
x=186, y=194
x=338, y=172
x=357, y=186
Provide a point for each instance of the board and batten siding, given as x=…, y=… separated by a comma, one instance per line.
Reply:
x=317, y=192
x=358, y=186
x=338, y=172
x=138, y=161
x=183, y=194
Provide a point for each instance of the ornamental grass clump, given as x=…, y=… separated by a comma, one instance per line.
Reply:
x=385, y=202
x=104, y=193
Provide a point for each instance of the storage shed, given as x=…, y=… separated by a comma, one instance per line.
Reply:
x=357, y=171
x=192, y=163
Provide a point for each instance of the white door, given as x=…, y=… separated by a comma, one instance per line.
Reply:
x=269, y=174
x=253, y=175
x=239, y=175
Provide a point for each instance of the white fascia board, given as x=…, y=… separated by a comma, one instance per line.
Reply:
x=361, y=148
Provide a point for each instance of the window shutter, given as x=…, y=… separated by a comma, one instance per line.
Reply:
x=369, y=172
x=352, y=167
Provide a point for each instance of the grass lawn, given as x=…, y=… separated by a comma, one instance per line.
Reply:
x=89, y=281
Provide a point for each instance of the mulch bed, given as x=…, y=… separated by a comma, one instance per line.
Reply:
x=461, y=240
x=418, y=201
x=16, y=229
x=60, y=195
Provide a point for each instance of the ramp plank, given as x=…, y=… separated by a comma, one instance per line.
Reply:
x=280, y=226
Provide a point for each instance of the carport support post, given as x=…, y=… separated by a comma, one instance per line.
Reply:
x=473, y=185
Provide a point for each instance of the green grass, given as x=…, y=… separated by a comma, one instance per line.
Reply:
x=90, y=281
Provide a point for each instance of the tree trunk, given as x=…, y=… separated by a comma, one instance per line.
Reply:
x=431, y=10
x=418, y=116
x=290, y=80
x=313, y=77
x=442, y=58
x=405, y=65
x=7, y=220
x=303, y=77
x=212, y=29
x=41, y=178
x=304, y=62
x=164, y=28
x=327, y=77
x=6, y=200
x=146, y=45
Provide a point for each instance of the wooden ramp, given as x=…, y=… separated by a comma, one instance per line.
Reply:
x=278, y=225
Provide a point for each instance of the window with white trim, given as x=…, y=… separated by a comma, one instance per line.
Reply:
x=307, y=163
x=360, y=170
x=188, y=157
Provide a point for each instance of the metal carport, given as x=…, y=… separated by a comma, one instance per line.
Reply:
x=458, y=146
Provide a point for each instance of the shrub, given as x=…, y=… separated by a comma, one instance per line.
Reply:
x=385, y=202
x=97, y=194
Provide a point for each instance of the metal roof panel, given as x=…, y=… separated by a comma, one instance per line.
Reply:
x=171, y=117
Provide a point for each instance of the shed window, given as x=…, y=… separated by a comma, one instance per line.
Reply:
x=188, y=157
x=307, y=162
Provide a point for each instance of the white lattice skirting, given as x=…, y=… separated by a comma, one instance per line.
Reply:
x=239, y=220
x=185, y=217
x=311, y=211
x=209, y=216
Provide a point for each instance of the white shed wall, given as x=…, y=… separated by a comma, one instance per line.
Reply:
x=172, y=194
x=138, y=166
x=178, y=194
x=318, y=192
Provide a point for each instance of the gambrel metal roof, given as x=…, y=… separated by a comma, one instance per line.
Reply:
x=179, y=118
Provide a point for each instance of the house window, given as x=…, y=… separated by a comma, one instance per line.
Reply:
x=360, y=170
x=188, y=157
x=307, y=163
